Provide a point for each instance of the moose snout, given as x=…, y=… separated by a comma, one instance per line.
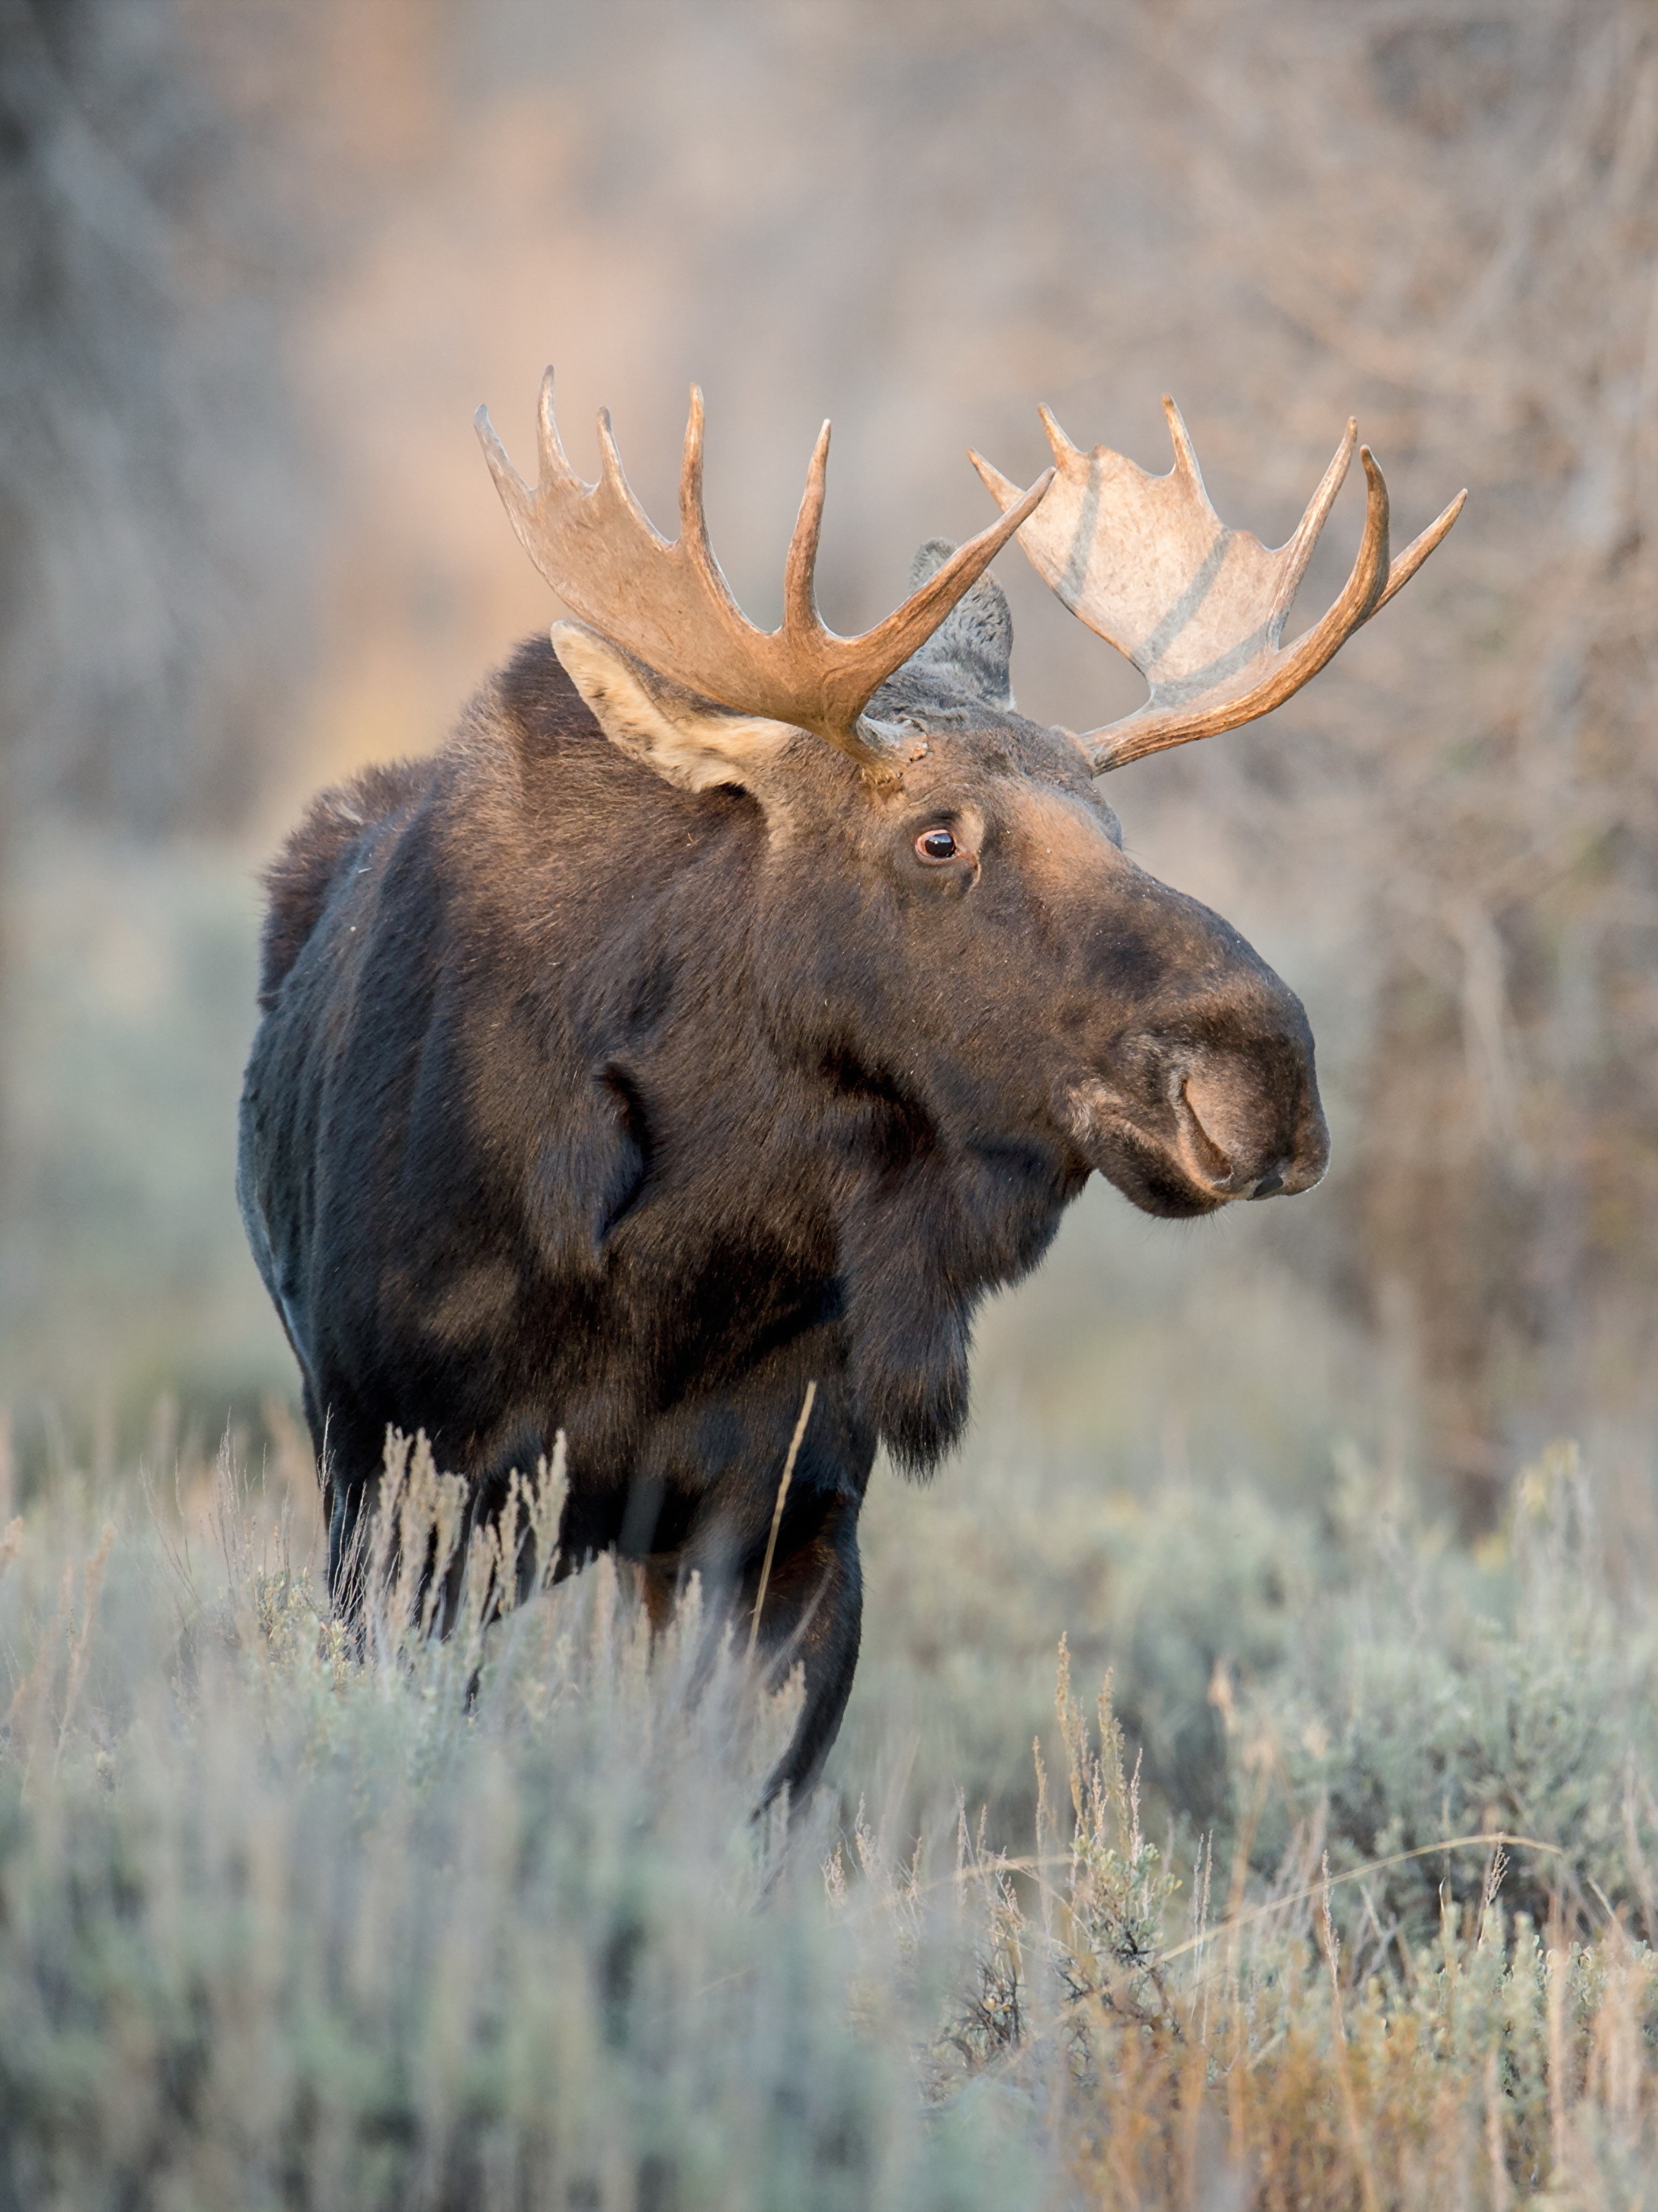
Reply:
x=1184, y=1132
x=1248, y=1128
x=1205, y=1093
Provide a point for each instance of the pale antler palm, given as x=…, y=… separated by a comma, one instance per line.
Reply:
x=669, y=607
x=1199, y=609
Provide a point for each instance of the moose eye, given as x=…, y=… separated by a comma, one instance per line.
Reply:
x=937, y=845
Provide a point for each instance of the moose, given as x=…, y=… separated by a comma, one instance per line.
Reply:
x=723, y=1013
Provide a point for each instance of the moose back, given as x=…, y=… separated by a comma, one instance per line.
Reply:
x=722, y=1011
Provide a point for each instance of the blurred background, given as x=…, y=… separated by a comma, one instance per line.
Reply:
x=260, y=259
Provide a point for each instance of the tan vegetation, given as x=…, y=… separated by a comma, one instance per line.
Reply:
x=487, y=1921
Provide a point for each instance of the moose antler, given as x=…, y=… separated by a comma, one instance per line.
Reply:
x=669, y=607
x=1199, y=609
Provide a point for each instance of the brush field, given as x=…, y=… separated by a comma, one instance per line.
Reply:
x=1329, y=1882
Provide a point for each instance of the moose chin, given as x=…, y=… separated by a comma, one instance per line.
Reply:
x=721, y=1012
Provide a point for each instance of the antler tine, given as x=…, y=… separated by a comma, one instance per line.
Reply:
x=692, y=522
x=1057, y=439
x=500, y=467
x=549, y=445
x=800, y=572
x=516, y=495
x=613, y=478
x=1199, y=609
x=1186, y=459
x=694, y=526
x=1407, y=563
x=1299, y=549
x=669, y=607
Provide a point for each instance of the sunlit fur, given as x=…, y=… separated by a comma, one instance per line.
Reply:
x=585, y=1101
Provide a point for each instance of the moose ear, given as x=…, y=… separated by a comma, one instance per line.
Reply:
x=689, y=740
x=972, y=649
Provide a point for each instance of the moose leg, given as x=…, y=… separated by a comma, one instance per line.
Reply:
x=812, y=1618
x=350, y=1495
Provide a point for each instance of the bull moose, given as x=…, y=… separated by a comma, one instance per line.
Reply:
x=721, y=1012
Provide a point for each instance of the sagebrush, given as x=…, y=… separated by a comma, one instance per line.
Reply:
x=289, y=1918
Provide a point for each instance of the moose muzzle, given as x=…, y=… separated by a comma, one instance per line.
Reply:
x=1185, y=1127
x=1238, y=1136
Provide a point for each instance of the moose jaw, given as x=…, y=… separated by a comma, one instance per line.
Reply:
x=721, y=1011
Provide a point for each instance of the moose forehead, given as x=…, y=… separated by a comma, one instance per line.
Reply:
x=1031, y=783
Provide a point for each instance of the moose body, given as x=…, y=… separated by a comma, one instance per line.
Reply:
x=635, y=1062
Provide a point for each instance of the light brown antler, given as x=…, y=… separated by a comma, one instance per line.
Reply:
x=1198, y=608
x=669, y=607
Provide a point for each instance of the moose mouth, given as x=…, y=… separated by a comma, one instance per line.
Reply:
x=1209, y=1142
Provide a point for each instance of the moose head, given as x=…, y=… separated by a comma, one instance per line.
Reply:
x=947, y=909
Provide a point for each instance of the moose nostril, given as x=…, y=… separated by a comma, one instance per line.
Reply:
x=1214, y=1163
x=1269, y=1185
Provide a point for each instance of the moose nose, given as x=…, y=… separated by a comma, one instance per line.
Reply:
x=1250, y=1131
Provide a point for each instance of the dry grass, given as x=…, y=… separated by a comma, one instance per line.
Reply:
x=487, y=1921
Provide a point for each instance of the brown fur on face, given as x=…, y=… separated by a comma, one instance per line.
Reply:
x=629, y=1066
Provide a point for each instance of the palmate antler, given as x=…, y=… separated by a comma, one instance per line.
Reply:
x=669, y=607
x=1199, y=609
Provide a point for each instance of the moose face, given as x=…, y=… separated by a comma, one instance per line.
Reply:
x=971, y=931
x=1039, y=974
